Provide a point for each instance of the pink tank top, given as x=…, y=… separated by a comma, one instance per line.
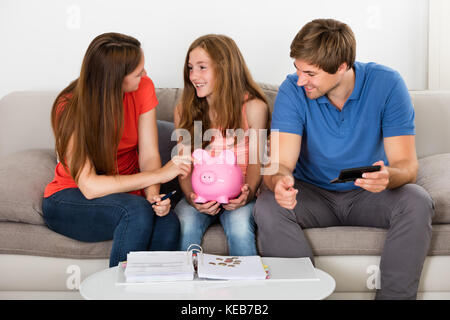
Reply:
x=240, y=148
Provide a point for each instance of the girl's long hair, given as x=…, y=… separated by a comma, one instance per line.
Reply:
x=90, y=109
x=233, y=85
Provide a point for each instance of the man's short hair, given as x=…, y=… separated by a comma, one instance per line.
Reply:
x=325, y=43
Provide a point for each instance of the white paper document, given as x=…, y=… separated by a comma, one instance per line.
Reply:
x=290, y=268
x=145, y=266
x=148, y=266
x=230, y=268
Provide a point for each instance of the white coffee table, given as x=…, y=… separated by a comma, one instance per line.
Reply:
x=102, y=285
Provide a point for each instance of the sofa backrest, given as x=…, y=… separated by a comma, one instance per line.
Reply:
x=432, y=112
x=25, y=118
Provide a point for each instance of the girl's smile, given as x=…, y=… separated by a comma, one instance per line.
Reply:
x=201, y=73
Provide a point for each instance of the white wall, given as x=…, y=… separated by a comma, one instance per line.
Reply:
x=439, y=45
x=43, y=42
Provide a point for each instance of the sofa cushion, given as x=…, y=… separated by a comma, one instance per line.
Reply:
x=23, y=177
x=270, y=91
x=167, y=98
x=35, y=240
x=434, y=176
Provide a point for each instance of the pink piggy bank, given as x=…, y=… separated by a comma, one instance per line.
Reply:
x=216, y=178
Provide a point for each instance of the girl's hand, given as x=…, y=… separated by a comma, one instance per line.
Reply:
x=212, y=207
x=161, y=208
x=240, y=201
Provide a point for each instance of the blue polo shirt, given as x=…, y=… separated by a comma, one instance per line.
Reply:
x=379, y=107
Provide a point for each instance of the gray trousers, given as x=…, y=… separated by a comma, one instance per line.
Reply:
x=406, y=212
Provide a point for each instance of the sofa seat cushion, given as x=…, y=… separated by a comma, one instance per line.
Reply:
x=337, y=240
x=366, y=241
x=23, y=177
x=434, y=176
x=36, y=240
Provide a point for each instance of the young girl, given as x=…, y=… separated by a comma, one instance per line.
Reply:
x=107, y=144
x=220, y=92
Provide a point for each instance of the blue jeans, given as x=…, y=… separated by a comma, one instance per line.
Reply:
x=125, y=218
x=238, y=225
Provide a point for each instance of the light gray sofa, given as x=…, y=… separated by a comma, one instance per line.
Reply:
x=36, y=262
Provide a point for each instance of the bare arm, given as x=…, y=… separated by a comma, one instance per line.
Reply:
x=285, y=150
x=149, y=157
x=403, y=164
x=257, y=116
x=402, y=169
x=94, y=186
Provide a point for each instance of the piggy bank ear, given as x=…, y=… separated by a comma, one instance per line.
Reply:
x=229, y=157
x=200, y=156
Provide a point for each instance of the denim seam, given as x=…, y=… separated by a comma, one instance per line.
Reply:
x=121, y=238
x=87, y=204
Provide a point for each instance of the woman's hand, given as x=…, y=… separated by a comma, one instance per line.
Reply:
x=212, y=207
x=161, y=208
x=178, y=166
x=240, y=201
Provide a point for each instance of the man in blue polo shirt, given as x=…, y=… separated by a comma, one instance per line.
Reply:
x=335, y=113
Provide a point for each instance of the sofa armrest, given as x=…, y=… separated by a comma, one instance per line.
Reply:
x=434, y=176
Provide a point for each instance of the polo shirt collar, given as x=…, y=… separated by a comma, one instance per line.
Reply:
x=359, y=80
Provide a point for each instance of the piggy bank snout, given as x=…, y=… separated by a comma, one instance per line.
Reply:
x=208, y=177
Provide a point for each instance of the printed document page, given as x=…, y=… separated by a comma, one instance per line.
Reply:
x=143, y=266
x=230, y=268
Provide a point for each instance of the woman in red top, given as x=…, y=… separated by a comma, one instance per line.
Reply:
x=107, y=143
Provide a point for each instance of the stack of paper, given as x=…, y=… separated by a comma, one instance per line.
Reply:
x=145, y=266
